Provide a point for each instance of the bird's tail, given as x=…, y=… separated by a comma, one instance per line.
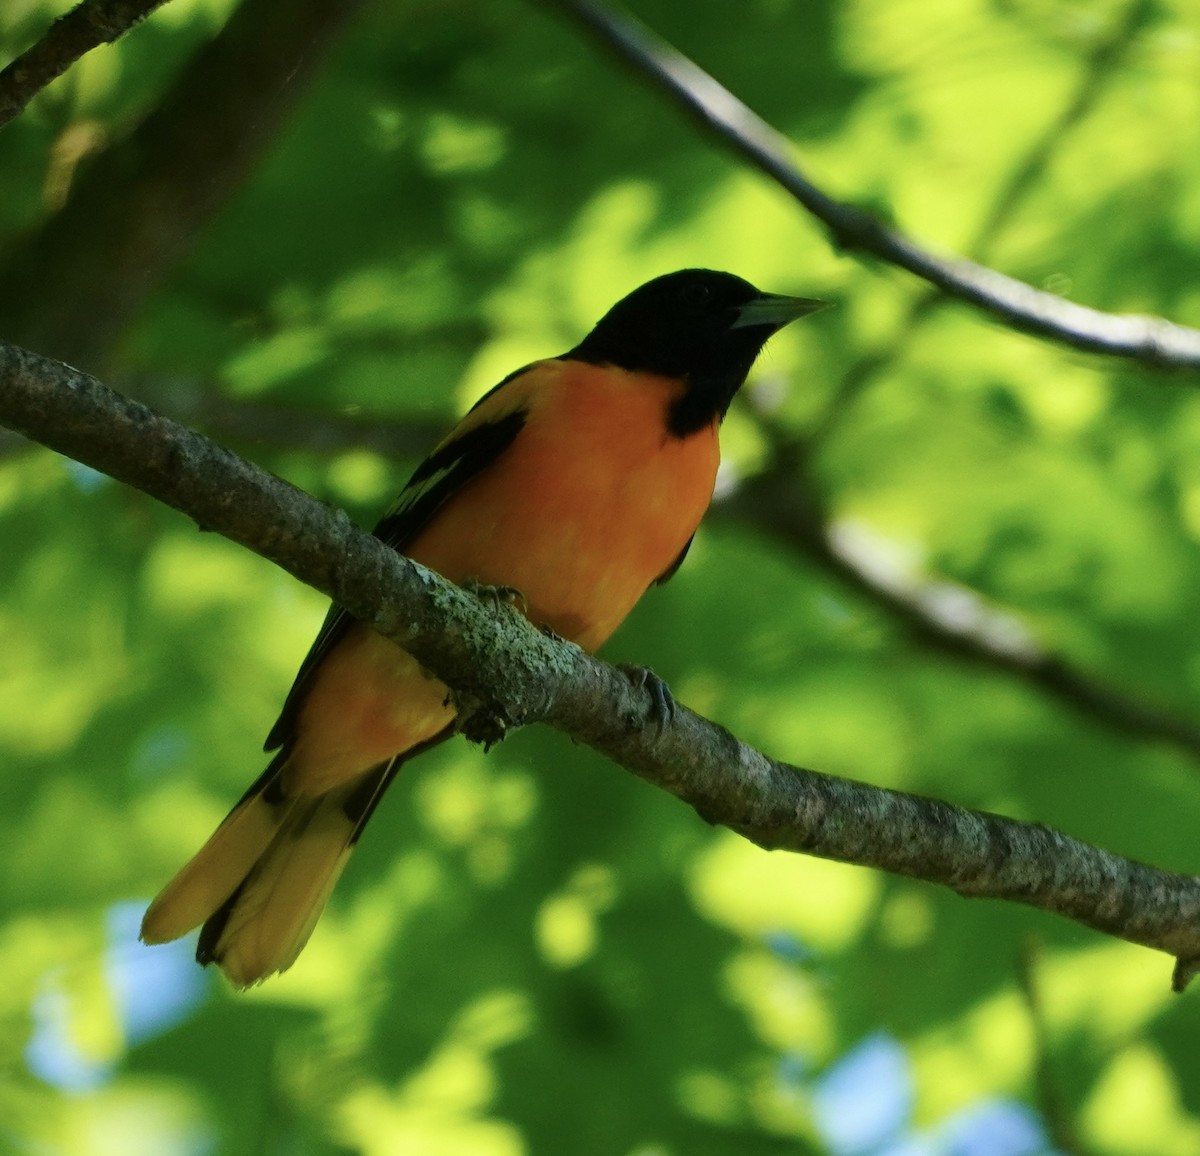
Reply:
x=261, y=881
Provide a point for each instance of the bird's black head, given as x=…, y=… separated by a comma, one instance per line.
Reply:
x=698, y=325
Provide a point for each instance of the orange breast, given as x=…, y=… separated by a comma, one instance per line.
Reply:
x=591, y=503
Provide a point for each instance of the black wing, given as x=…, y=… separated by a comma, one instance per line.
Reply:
x=669, y=572
x=455, y=462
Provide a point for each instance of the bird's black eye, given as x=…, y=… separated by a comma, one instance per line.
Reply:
x=694, y=294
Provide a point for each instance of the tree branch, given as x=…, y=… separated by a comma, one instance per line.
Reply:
x=1100, y=65
x=1150, y=340
x=782, y=502
x=505, y=670
x=86, y=26
x=248, y=422
x=74, y=284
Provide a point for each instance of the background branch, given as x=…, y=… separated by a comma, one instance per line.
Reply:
x=782, y=502
x=72, y=285
x=415, y=189
x=1150, y=340
x=86, y=26
x=271, y=424
x=1100, y=66
x=511, y=674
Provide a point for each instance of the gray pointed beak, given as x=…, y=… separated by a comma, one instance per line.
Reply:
x=775, y=311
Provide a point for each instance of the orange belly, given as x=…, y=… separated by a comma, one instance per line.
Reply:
x=591, y=503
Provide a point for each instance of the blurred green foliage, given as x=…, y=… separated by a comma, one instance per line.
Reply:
x=532, y=952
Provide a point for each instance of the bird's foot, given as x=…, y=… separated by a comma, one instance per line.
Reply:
x=497, y=596
x=663, y=708
x=481, y=722
x=484, y=725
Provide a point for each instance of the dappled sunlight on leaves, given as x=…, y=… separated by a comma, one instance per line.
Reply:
x=786, y=1003
x=137, y=1117
x=566, y=922
x=531, y=952
x=755, y=892
x=440, y=1108
x=990, y=1047
x=1106, y=992
x=1134, y=1107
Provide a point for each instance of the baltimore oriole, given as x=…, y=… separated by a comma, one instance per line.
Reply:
x=578, y=481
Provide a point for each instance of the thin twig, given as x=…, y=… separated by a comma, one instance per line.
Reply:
x=1099, y=67
x=266, y=424
x=86, y=26
x=1150, y=340
x=781, y=500
x=508, y=672
x=286, y=427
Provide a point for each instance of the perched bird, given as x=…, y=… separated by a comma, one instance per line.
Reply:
x=578, y=481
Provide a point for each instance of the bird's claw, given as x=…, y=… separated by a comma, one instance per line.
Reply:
x=663, y=709
x=484, y=725
x=497, y=596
